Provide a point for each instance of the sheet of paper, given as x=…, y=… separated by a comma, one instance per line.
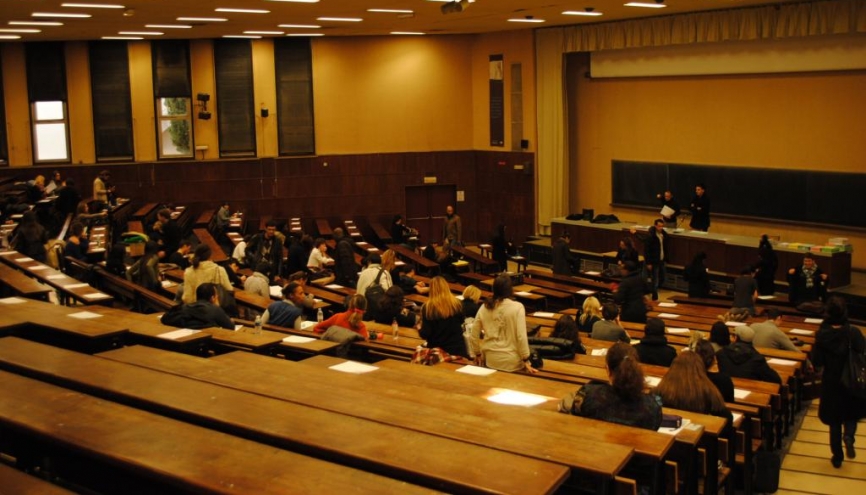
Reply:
x=736, y=416
x=38, y=268
x=735, y=323
x=668, y=315
x=4, y=253
x=178, y=334
x=765, y=298
x=740, y=393
x=679, y=330
x=167, y=283
x=334, y=286
x=276, y=291
x=297, y=339
x=667, y=211
x=634, y=341
x=674, y=431
x=652, y=381
x=800, y=331
x=593, y=273
x=475, y=370
x=543, y=314
x=307, y=325
x=782, y=362
x=96, y=295
x=599, y=352
x=238, y=328
x=816, y=321
x=84, y=315
x=23, y=260
x=74, y=286
x=523, y=293
x=516, y=398
x=667, y=305
x=353, y=367
x=12, y=300
x=56, y=276
x=586, y=292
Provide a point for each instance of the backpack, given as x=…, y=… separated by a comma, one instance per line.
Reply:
x=374, y=294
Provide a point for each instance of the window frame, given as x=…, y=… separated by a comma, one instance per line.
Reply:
x=160, y=118
x=38, y=122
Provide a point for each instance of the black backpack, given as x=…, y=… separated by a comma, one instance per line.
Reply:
x=374, y=294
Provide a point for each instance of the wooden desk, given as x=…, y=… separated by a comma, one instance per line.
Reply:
x=144, y=212
x=380, y=232
x=421, y=263
x=148, y=329
x=324, y=228
x=18, y=482
x=22, y=285
x=68, y=287
x=204, y=237
x=481, y=264
x=159, y=454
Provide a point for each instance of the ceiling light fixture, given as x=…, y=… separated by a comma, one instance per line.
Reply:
x=588, y=12
x=408, y=33
x=391, y=11
x=19, y=30
x=339, y=19
x=295, y=1
x=141, y=33
x=201, y=19
x=305, y=34
x=9, y=37
x=92, y=5
x=242, y=11
x=648, y=5
x=526, y=19
x=300, y=26
x=34, y=23
x=58, y=14
x=122, y=38
x=243, y=36
x=265, y=32
x=168, y=26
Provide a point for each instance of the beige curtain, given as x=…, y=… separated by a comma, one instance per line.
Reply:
x=776, y=21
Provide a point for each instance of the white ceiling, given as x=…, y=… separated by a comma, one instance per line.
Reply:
x=478, y=17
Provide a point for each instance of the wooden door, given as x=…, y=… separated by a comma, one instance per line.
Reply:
x=425, y=209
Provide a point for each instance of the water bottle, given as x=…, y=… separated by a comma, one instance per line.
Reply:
x=395, y=329
x=258, y=328
x=319, y=316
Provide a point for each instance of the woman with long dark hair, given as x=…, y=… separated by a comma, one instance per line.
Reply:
x=505, y=346
x=839, y=409
x=697, y=276
x=30, y=238
x=768, y=263
x=686, y=386
x=145, y=271
x=620, y=401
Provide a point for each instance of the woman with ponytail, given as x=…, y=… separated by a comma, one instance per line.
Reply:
x=499, y=338
x=620, y=401
x=351, y=319
x=202, y=271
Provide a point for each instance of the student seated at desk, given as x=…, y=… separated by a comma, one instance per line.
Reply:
x=566, y=328
x=352, y=319
x=742, y=360
x=722, y=381
x=590, y=314
x=203, y=313
x=621, y=401
x=145, y=271
x=288, y=313
x=180, y=257
x=76, y=243
x=502, y=322
x=115, y=263
x=30, y=238
x=391, y=308
x=442, y=319
x=653, y=347
x=767, y=333
x=686, y=386
x=470, y=302
x=609, y=328
x=404, y=276
x=259, y=282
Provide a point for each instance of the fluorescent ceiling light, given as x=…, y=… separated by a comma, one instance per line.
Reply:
x=392, y=11
x=582, y=12
x=201, y=19
x=19, y=30
x=9, y=37
x=57, y=14
x=340, y=19
x=305, y=34
x=168, y=26
x=122, y=38
x=242, y=11
x=141, y=33
x=525, y=20
x=264, y=32
x=296, y=1
x=646, y=5
x=242, y=36
x=408, y=33
x=34, y=23
x=92, y=5
x=300, y=26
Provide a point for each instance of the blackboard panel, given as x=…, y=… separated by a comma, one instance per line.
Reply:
x=795, y=195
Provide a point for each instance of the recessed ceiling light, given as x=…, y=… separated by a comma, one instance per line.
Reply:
x=92, y=5
x=646, y=5
x=305, y=34
x=9, y=37
x=242, y=11
x=34, y=23
x=243, y=36
x=300, y=26
x=122, y=38
x=582, y=12
x=141, y=33
x=57, y=14
x=18, y=30
x=264, y=32
x=340, y=19
x=168, y=26
x=408, y=33
x=519, y=19
x=201, y=19
x=392, y=11
x=296, y=1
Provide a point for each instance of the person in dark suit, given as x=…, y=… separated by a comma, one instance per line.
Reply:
x=807, y=283
x=631, y=294
x=563, y=260
x=700, y=208
x=500, y=246
x=667, y=199
x=697, y=276
x=653, y=347
x=656, y=254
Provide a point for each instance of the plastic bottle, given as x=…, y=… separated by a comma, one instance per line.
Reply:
x=258, y=328
x=319, y=316
x=395, y=329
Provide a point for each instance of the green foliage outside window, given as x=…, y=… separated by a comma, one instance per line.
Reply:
x=178, y=129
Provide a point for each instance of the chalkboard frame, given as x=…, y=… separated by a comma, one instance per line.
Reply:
x=802, y=196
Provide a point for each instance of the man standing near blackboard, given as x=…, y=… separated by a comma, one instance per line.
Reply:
x=670, y=209
x=700, y=208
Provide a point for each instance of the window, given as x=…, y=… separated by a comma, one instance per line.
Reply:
x=46, y=88
x=171, y=83
x=112, y=108
x=49, y=131
x=174, y=127
x=294, y=71
x=234, y=85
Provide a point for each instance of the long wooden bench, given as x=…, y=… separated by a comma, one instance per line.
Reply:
x=102, y=444
x=69, y=289
x=20, y=483
x=422, y=264
x=480, y=264
x=22, y=285
x=217, y=253
x=381, y=233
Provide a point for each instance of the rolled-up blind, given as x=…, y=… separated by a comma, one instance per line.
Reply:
x=171, y=69
x=112, y=108
x=234, y=88
x=46, y=71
